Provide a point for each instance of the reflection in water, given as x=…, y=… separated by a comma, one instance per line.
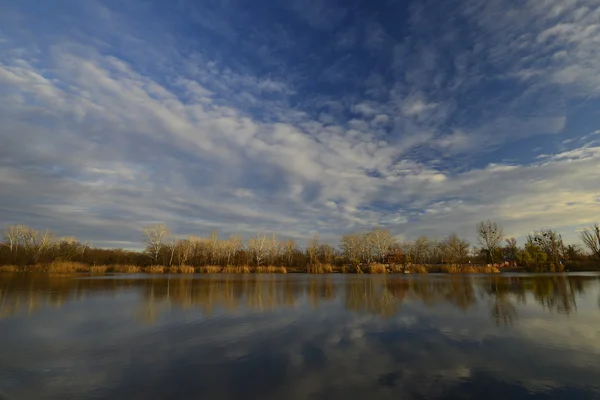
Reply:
x=299, y=336
x=383, y=296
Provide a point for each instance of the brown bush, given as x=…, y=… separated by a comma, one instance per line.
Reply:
x=210, y=269
x=232, y=269
x=155, y=269
x=271, y=270
x=469, y=269
x=126, y=269
x=98, y=270
x=416, y=269
x=184, y=269
x=376, y=268
x=67, y=267
x=320, y=269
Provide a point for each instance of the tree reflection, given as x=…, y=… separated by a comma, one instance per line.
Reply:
x=24, y=294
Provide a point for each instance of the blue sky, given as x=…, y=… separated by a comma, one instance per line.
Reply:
x=299, y=117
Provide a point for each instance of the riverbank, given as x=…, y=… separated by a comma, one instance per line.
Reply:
x=374, y=268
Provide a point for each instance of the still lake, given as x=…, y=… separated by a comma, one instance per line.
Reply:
x=300, y=336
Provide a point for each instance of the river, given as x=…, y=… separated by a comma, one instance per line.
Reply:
x=300, y=336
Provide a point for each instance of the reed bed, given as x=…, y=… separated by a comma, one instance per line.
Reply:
x=126, y=269
x=232, y=269
x=9, y=268
x=270, y=269
x=67, y=267
x=210, y=269
x=98, y=269
x=469, y=269
x=416, y=269
x=184, y=269
x=155, y=269
x=320, y=269
x=375, y=268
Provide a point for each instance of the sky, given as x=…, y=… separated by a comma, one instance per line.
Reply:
x=299, y=117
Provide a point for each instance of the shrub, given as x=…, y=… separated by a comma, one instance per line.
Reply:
x=231, y=269
x=155, y=269
x=271, y=270
x=67, y=267
x=98, y=269
x=9, y=268
x=320, y=269
x=469, y=269
x=127, y=269
x=210, y=269
x=375, y=268
x=185, y=269
x=416, y=269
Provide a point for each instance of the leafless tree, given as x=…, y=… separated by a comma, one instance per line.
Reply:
x=231, y=247
x=552, y=244
x=156, y=237
x=289, y=250
x=13, y=234
x=591, y=240
x=257, y=246
x=490, y=237
x=312, y=249
x=381, y=242
x=456, y=249
x=350, y=245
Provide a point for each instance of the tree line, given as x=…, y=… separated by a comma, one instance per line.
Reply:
x=544, y=250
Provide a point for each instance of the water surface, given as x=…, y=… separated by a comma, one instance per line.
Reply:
x=300, y=336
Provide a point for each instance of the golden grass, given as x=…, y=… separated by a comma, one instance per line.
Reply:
x=417, y=269
x=210, y=269
x=98, y=269
x=9, y=268
x=469, y=269
x=155, y=269
x=231, y=269
x=67, y=267
x=184, y=269
x=320, y=269
x=270, y=269
x=126, y=269
x=375, y=268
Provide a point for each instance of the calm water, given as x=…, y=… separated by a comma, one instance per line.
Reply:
x=300, y=337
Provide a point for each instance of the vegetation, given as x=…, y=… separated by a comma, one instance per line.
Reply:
x=375, y=252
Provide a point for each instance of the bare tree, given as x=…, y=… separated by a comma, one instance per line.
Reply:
x=456, y=250
x=511, y=250
x=350, y=245
x=312, y=249
x=326, y=253
x=231, y=247
x=591, y=240
x=156, y=237
x=257, y=246
x=289, y=250
x=381, y=242
x=490, y=236
x=13, y=234
x=552, y=244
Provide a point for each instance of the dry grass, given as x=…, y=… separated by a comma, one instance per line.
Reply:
x=126, y=269
x=231, y=269
x=9, y=268
x=155, y=269
x=210, y=269
x=417, y=269
x=270, y=269
x=320, y=269
x=67, y=267
x=375, y=268
x=184, y=269
x=469, y=269
x=98, y=269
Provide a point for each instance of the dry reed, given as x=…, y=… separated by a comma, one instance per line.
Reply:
x=184, y=269
x=155, y=269
x=375, y=268
x=416, y=269
x=9, y=268
x=469, y=269
x=210, y=269
x=232, y=269
x=270, y=269
x=67, y=267
x=320, y=269
x=126, y=269
x=98, y=269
